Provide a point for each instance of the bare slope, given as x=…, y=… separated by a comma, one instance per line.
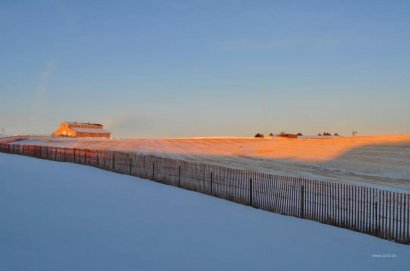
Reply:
x=374, y=160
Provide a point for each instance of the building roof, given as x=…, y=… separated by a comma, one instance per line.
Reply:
x=86, y=123
x=91, y=130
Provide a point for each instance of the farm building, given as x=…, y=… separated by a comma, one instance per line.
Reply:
x=75, y=129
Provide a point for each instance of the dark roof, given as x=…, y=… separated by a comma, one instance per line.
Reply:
x=91, y=130
x=87, y=123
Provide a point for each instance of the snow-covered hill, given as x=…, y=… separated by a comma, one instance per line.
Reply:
x=61, y=216
x=370, y=160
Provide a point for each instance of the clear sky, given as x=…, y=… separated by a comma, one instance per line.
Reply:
x=206, y=68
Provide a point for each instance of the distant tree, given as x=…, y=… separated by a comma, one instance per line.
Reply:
x=258, y=135
x=336, y=134
x=319, y=134
x=282, y=134
x=271, y=134
x=299, y=134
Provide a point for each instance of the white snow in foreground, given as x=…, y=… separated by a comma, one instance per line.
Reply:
x=61, y=216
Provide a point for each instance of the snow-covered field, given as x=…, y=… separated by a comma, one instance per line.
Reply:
x=372, y=160
x=61, y=216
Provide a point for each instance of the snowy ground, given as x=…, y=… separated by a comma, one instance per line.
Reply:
x=370, y=160
x=61, y=216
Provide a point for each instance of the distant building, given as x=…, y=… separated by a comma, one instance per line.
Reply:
x=283, y=134
x=75, y=129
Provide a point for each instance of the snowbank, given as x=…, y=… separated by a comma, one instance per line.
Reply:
x=60, y=216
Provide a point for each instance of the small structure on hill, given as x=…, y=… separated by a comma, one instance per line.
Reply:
x=76, y=129
x=328, y=134
x=287, y=135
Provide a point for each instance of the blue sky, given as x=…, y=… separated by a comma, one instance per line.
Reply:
x=206, y=68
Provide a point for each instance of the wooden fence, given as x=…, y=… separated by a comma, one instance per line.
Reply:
x=377, y=212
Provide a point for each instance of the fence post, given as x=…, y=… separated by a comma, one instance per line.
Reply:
x=250, y=191
x=131, y=166
x=302, y=201
x=179, y=176
x=74, y=156
x=145, y=174
x=377, y=219
x=113, y=162
x=211, y=185
x=153, y=169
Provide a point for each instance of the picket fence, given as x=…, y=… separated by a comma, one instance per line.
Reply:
x=374, y=211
